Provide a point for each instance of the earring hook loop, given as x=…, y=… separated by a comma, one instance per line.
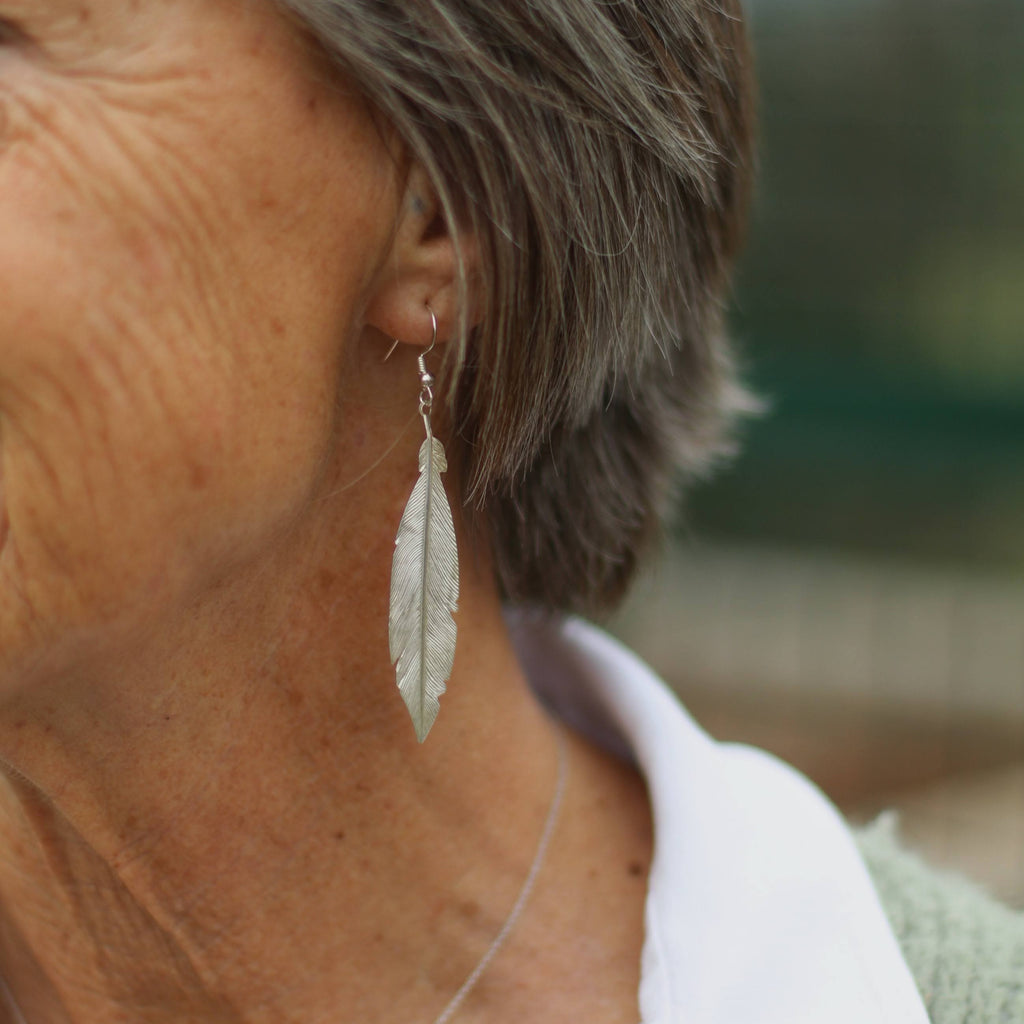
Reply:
x=433, y=340
x=430, y=348
x=426, y=377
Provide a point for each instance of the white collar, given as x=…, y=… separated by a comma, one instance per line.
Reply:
x=759, y=908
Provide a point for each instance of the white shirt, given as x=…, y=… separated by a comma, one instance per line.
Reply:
x=759, y=907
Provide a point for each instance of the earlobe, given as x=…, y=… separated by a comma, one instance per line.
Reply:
x=426, y=263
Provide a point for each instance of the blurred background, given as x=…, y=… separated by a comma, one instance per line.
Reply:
x=850, y=592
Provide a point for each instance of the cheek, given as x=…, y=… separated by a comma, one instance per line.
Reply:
x=148, y=438
x=175, y=290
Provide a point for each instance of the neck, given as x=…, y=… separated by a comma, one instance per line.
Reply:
x=209, y=830
x=225, y=818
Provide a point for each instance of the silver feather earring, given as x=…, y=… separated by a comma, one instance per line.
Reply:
x=424, y=577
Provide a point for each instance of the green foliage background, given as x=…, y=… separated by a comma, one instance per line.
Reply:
x=880, y=307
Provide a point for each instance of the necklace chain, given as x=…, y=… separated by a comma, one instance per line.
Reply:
x=7, y=997
x=524, y=894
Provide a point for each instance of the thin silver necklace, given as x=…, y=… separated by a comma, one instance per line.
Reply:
x=524, y=894
x=7, y=996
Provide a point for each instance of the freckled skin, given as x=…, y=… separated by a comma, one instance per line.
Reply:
x=146, y=323
x=212, y=805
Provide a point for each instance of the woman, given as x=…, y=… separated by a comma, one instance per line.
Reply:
x=217, y=218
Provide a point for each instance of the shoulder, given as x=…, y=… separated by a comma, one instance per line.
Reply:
x=965, y=950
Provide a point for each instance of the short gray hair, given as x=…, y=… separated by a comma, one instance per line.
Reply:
x=600, y=151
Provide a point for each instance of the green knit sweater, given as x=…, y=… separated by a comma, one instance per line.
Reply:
x=965, y=950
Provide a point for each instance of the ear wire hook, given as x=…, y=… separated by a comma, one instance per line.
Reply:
x=426, y=352
x=433, y=340
x=426, y=377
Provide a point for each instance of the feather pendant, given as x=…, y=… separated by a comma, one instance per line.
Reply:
x=424, y=592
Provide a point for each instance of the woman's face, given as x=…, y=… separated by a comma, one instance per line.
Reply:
x=189, y=218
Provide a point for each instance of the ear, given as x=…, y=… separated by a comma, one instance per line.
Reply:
x=420, y=270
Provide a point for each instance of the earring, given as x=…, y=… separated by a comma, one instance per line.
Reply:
x=424, y=578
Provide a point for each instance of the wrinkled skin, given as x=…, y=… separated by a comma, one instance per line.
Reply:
x=160, y=362
x=212, y=804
